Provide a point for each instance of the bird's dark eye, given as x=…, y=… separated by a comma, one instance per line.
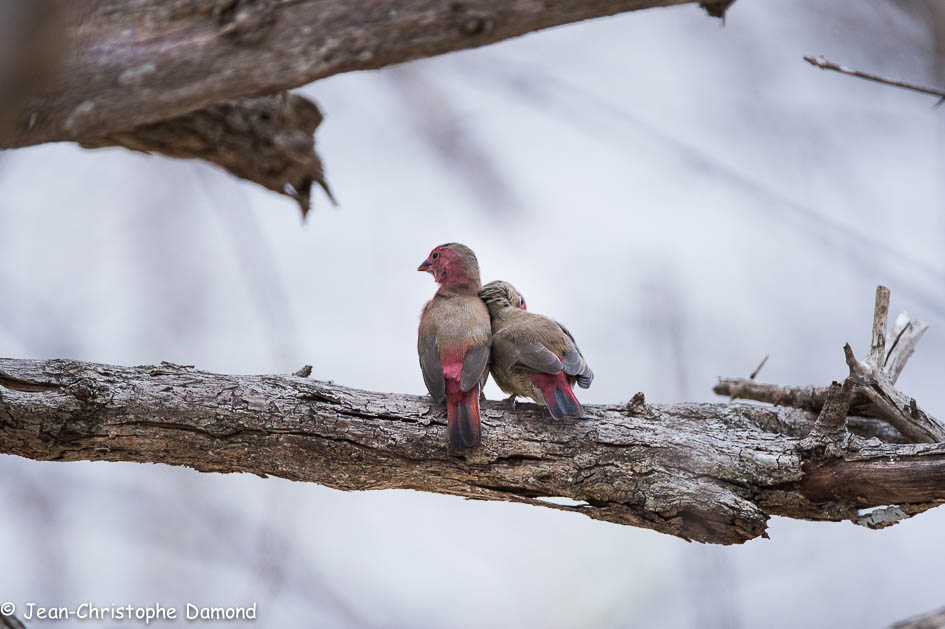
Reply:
x=436, y=254
x=521, y=301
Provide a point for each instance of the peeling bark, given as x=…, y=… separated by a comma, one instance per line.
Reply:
x=704, y=472
x=267, y=140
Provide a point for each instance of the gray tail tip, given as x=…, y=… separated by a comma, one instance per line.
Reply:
x=563, y=405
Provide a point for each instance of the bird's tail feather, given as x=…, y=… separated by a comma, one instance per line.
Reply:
x=559, y=398
x=462, y=412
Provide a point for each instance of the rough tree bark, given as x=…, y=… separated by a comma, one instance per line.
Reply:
x=125, y=66
x=705, y=472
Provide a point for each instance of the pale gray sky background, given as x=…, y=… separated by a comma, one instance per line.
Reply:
x=686, y=197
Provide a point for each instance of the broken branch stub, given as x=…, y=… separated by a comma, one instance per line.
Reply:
x=873, y=392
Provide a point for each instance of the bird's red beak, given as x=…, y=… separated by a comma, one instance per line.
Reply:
x=425, y=265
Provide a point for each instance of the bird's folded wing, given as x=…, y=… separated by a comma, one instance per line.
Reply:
x=573, y=360
x=432, y=368
x=475, y=364
x=536, y=356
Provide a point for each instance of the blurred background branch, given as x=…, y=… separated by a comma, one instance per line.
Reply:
x=165, y=78
x=824, y=64
x=10, y=622
x=930, y=620
x=141, y=62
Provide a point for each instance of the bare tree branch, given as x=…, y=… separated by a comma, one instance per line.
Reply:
x=757, y=370
x=877, y=354
x=823, y=64
x=900, y=411
x=901, y=342
x=707, y=472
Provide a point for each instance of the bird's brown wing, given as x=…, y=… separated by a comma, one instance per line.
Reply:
x=573, y=360
x=431, y=367
x=522, y=342
x=533, y=354
x=475, y=365
x=538, y=357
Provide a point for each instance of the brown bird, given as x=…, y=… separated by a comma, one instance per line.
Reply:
x=534, y=356
x=454, y=340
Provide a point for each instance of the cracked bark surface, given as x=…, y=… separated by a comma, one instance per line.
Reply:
x=705, y=472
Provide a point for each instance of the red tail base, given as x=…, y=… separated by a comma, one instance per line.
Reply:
x=558, y=396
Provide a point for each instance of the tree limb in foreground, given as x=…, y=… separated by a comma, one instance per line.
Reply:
x=169, y=77
x=136, y=63
x=931, y=620
x=706, y=472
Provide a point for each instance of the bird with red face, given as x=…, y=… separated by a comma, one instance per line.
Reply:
x=534, y=356
x=454, y=340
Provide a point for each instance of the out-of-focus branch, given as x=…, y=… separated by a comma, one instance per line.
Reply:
x=179, y=78
x=268, y=140
x=142, y=62
x=931, y=620
x=464, y=157
x=824, y=64
x=10, y=622
x=34, y=42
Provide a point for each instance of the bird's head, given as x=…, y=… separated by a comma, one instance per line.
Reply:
x=498, y=295
x=453, y=266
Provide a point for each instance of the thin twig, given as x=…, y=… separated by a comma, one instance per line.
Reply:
x=758, y=368
x=823, y=64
